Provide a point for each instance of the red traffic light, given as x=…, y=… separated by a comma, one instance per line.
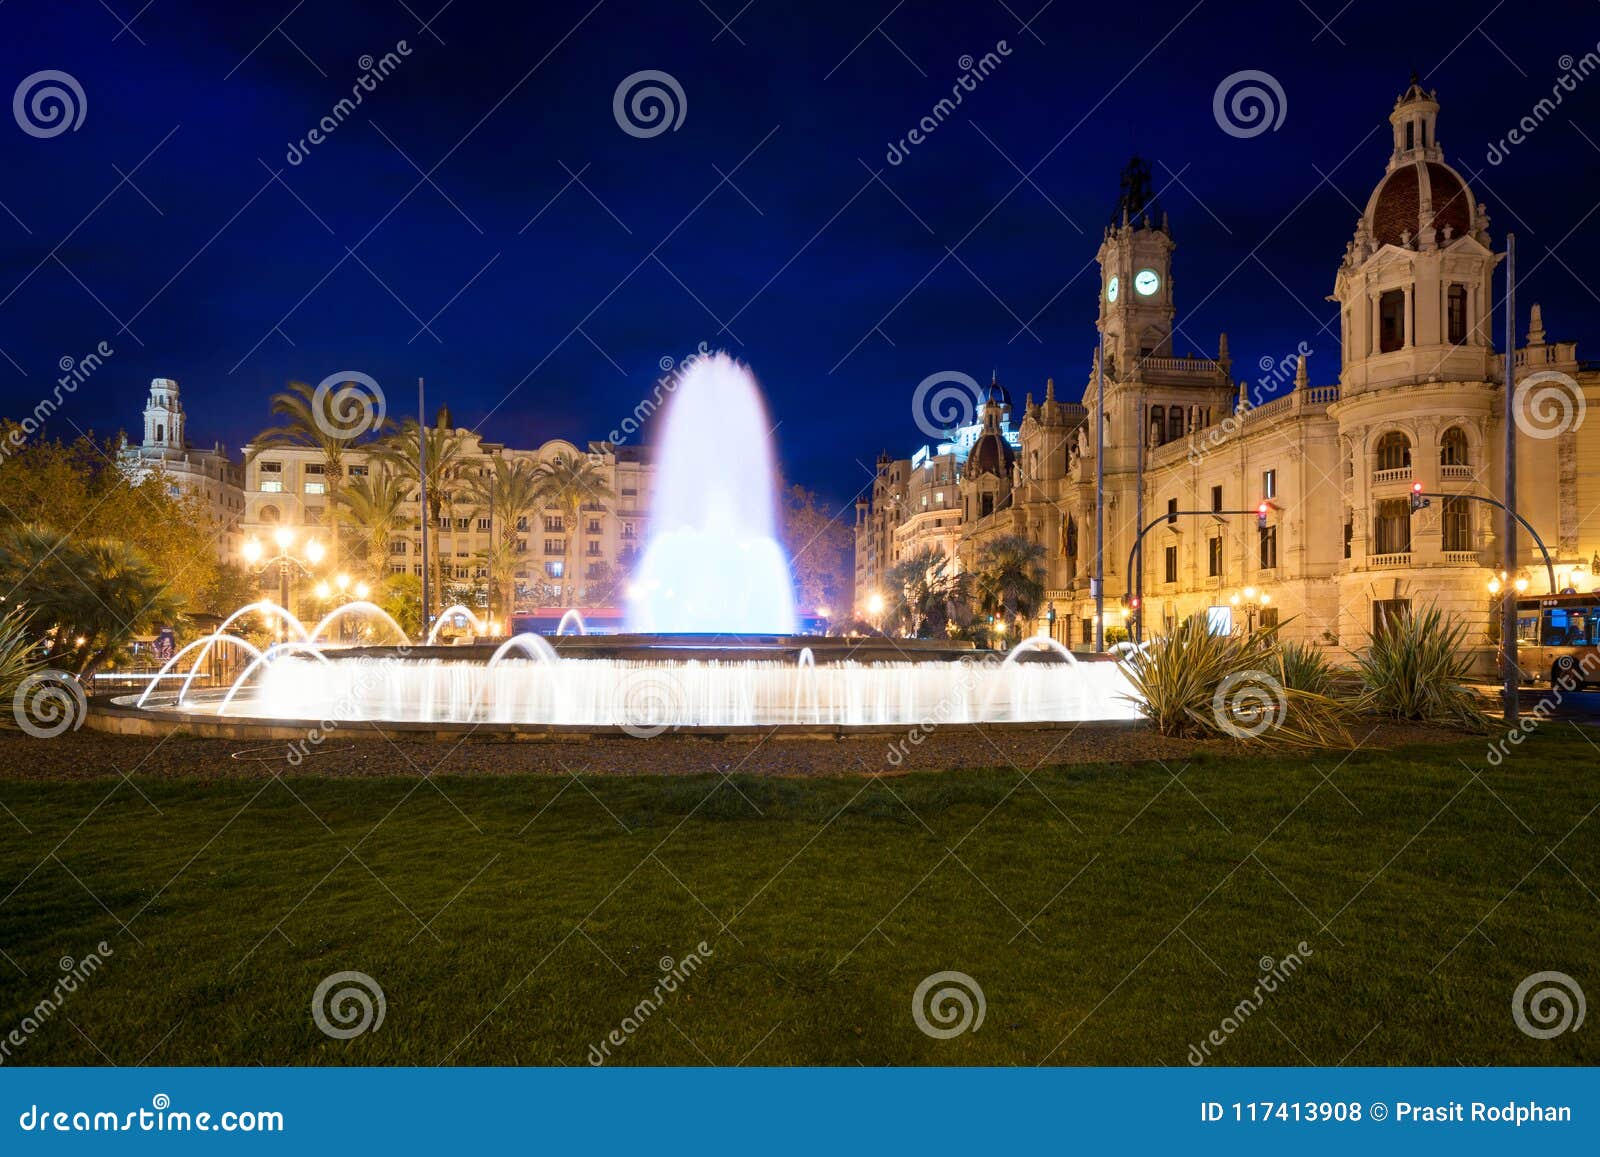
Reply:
x=1416, y=488
x=1263, y=508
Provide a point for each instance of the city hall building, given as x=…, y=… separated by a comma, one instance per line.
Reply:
x=1418, y=398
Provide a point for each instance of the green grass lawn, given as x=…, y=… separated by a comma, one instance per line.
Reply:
x=1110, y=914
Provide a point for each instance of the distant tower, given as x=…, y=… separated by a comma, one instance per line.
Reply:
x=163, y=416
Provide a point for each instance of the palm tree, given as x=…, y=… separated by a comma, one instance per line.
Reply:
x=569, y=482
x=375, y=505
x=1009, y=579
x=447, y=453
x=509, y=489
x=87, y=598
x=925, y=598
x=318, y=424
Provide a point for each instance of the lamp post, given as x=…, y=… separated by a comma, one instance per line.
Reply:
x=1050, y=618
x=284, y=560
x=1253, y=603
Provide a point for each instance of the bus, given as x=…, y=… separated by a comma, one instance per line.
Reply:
x=1558, y=637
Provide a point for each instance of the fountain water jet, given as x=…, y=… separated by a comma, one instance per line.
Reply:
x=572, y=618
x=713, y=564
x=478, y=625
x=371, y=610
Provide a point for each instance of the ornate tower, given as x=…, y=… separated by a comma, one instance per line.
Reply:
x=163, y=416
x=1136, y=305
x=1414, y=289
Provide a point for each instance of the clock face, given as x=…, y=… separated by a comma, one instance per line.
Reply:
x=1146, y=281
x=1111, y=289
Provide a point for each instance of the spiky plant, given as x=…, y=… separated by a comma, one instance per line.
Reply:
x=1413, y=671
x=19, y=657
x=1194, y=683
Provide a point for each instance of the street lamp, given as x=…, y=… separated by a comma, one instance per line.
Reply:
x=1253, y=602
x=285, y=562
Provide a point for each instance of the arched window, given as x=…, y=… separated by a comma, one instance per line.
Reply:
x=1453, y=447
x=269, y=514
x=160, y=432
x=1072, y=537
x=1158, y=425
x=1175, y=423
x=1394, y=451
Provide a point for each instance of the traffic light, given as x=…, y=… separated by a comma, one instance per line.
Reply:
x=1417, y=501
x=1261, y=514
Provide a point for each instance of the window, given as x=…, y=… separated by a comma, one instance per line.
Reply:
x=627, y=528
x=1172, y=512
x=272, y=477
x=1174, y=423
x=555, y=546
x=398, y=546
x=1158, y=425
x=629, y=491
x=1392, y=527
x=1457, y=524
x=1172, y=564
x=1269, y=618
x=444, y=522
x=1214, y=556
x=985, y=505
x=315, y=468
x=1349, y=535
x=416, y=568
x=1456, y=314
x=463, y=523
x=485, y=524
x=594, y=526
x=593, y=548
x=1267, y=547
x=1394, y=451
x=553, y=569
x=1391, y=321
x=358, y=471
x=270, y=514
x=553, y=522
x=1569, y=627
x=1216, y=498
x=1411, y=134
x=1072, y=537
x=1088, y=632
x=1269, y=484
x=1453, y=447
x=522, y=522
x=1386, y=611
x=316, y=487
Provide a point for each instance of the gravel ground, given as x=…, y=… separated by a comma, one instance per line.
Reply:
x=92, y=755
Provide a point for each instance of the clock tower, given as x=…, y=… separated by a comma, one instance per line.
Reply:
x=1136, y=309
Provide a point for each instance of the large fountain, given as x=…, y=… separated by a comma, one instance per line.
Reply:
x=714, y=648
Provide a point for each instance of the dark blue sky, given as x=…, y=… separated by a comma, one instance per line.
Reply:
x=830, y=284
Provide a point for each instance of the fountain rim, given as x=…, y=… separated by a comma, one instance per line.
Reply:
x=119, y=715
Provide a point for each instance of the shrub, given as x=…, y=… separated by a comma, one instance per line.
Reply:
x=1413, y=671
x=1194, y=683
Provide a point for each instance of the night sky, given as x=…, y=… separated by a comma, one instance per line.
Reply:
x=555, y=260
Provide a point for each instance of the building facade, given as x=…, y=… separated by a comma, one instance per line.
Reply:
x=261, y=492
x=1418, y=398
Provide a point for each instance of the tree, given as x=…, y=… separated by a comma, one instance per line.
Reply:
x=570, y=482
x=86, y=598
x=820, y=549
x=925, y=598
x=401, y=596
x=1009, y=580
x=79, y=487
x=321, y=424
x=447, y=453
x=507, y=490
x=374, y=504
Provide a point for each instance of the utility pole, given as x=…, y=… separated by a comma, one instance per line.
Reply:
x=422, y=497
x=1508, y=605
x=1100, y=498
x=1141, y=431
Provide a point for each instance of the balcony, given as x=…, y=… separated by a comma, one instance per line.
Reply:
x=1456, y=473
x=1398, y=474
x=1387, y=561
x=1461, y=558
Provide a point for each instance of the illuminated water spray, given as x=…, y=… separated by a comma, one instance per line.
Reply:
x=713, y=564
